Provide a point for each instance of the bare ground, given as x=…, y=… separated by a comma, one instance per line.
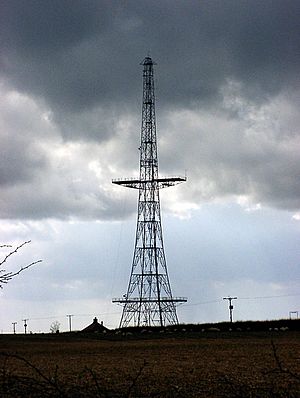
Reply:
x=264, y=364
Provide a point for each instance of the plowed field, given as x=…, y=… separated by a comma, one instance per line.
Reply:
x=204, y=365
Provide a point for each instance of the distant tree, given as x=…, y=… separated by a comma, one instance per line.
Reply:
x=5, y=276
x=54, y=327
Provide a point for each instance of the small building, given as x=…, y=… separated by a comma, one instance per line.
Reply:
x=95, y=327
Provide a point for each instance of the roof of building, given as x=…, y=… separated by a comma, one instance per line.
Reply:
x=95, y=327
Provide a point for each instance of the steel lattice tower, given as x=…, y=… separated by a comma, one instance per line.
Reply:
x=149, y=299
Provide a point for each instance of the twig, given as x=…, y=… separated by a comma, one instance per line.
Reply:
x=277, y=360
x=14, y=251
x=38, y=371
x=135, y=379
x=95, y=380
x=5, y=277
x=280, y=366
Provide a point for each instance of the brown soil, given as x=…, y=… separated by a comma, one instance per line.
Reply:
x=206, y=365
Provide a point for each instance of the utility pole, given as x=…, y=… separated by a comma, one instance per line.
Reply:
x=230, y=305
x=149, y=300
x=14, y=326
x=25, y=325
x=70, y=323
x=291, y=313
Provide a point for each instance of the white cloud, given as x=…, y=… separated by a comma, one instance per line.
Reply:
x=244, y=151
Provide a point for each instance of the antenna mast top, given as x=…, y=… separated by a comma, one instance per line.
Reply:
x=148, y=61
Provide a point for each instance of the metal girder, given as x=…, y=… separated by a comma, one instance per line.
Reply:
x=162, y=182
x=151, y=300
x=148, y=300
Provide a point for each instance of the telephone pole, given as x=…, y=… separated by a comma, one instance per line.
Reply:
x=14, y=327
x=149, y=300
x=25, y=325
x=70, y=322
x=294, y=314
x=230, y=305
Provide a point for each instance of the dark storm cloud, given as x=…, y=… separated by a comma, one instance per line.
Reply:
x=79, y=55
x=40, y=175
x=20, y=154
x=17, y=165
x=77, y=61
x=42, y=28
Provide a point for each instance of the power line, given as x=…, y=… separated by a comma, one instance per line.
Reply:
x=268, y=297
x=77, y=315
x=240, y=298
x=201, y=303
x=183, y=306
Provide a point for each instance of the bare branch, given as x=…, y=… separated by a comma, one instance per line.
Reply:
x=49, y=380
x=280, y=367
x=14, y=251
x=5, y=277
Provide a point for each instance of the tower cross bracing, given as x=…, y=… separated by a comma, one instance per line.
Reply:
x=149, y=300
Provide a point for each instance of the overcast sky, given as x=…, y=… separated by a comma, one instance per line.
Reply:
x=227, y=104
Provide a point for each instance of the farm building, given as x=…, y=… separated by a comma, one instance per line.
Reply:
x=95, y=327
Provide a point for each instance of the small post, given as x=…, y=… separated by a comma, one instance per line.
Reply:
x=25, y=325
x=14, y=326
x=70, y=322
x=230, y=305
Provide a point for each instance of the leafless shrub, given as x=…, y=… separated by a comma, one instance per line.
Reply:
x=37, y=384
x=54, y=327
